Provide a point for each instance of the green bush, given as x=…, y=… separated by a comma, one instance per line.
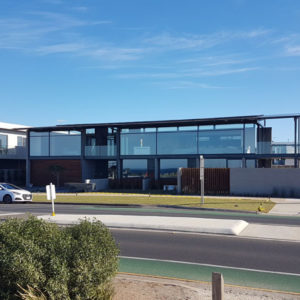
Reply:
x=76, y=262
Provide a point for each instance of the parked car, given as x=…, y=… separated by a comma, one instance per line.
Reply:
x=11, y=193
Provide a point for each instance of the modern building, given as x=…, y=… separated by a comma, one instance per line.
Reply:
x=153, y=149
x=13, y=153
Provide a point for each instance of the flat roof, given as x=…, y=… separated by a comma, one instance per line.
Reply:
x=252, y=119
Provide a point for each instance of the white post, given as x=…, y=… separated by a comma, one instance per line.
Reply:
x=51, y=195
x=202, y=178
x=52, y=192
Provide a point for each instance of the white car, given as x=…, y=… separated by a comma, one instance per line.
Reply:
x=10, y=193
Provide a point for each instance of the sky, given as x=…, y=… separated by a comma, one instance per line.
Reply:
x=94, y=61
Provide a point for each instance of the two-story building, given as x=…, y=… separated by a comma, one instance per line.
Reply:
x=153, y=149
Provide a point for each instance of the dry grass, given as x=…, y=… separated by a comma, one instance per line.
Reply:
x=245, y=204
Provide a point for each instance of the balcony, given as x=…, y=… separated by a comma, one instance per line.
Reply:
x=13, y=152
x=100, y=151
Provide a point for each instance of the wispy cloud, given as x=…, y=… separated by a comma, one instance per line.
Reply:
x=80, y=8
x=199, y=42
x=61, y=48
x=293, y=50
x=188, y=73
x=116, y=53
x=176, y=85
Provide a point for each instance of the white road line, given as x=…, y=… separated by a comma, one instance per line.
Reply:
x=10, y=214
x=209, y=265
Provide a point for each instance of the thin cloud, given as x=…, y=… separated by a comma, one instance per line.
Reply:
x=192, y=73
x=176, y=85
x=116, y=53
x=61, y=48
x=199, y=42
x=292, y=50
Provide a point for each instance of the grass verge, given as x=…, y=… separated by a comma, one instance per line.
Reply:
x=249, y=204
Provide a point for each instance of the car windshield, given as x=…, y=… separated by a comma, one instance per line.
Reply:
x=10, y=186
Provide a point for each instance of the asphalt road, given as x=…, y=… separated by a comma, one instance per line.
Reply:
x=226, y=251
x=39, y=209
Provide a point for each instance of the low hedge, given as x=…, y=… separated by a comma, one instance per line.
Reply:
x=39, y=260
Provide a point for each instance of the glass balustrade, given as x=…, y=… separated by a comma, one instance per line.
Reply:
x=100, y=151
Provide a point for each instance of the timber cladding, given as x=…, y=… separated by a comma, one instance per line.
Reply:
x=56, y=171
x=216, y=181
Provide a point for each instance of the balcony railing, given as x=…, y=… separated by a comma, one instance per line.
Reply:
x=100, y=151
x=13, y=152
x=277, y=148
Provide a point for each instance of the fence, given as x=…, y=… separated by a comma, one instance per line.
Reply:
x=216, y=181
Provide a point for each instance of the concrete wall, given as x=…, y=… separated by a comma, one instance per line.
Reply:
x=265, y=182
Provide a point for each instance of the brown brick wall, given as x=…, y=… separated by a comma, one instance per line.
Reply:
x=41, y=174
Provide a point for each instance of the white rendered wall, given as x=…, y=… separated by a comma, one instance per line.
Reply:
x=265, y=182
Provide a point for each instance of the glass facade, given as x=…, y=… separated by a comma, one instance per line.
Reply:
x=177, y=142
x=58, y=143
x=3, y=142
x=100, y=142
x=65, y=143
x=215, y=163
x=183, y=140
x=169, y=167
x=39, y=143
x=134, y=167
x=138, y=143
x=221, y=141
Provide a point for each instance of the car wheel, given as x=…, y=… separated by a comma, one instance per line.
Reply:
x=7, y=199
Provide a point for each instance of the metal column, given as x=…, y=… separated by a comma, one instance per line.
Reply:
x=119, y=162
x=295, y=142
x=28, y=169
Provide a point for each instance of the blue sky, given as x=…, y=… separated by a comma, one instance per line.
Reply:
x=84, y=61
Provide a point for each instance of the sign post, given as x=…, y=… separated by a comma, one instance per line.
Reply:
x=202, y=178
x=51, y=195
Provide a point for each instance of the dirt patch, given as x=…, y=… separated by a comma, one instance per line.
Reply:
x=133, y=287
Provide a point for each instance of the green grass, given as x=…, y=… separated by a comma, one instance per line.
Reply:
x=249, y=204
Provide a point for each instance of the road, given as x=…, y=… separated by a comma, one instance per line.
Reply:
x=226, y=251
x=39, y=209
x=195, y=256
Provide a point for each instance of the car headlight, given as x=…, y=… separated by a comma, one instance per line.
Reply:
x=17, y=193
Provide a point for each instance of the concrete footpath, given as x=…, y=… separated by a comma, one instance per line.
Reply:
x=197, y=225
x=286, y=207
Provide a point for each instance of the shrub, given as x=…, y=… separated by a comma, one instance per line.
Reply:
x=76, y=262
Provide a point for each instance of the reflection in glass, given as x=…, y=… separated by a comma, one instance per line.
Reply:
x=234, y=163
x=215, y=163
x=177, y=143
x=134, y=167
x=39, y=146
x=138, y=144
x=62, y=144
x=169, y=167
x=250, y=139
x=221, y=141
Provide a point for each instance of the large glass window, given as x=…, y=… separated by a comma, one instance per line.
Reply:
x=169, y=167
x=215, y=163
x=3, y=142
x=250, y=138
x=177, y=142
x=138, y=143
x=65, y=143
x=234, y=163
x=39, y=143
x=21, y=141
x=134, y=167
x=221, y=141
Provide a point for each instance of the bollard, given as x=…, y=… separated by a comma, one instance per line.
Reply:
x=217, y=286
